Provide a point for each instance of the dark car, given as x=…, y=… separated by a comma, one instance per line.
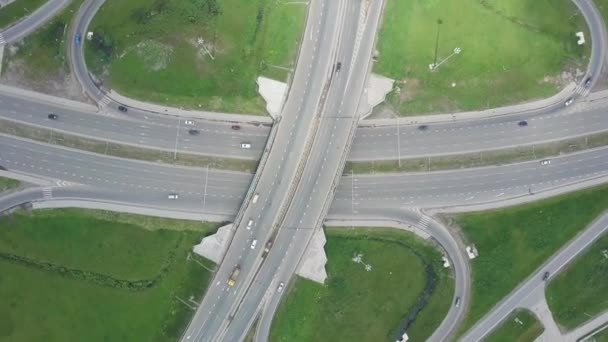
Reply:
x=53, y=116
x=193, y=131
x=338, y=66
x=522, y=123
x=545, y=276
x=423, y=127
x=235, y=127
x=457, y=302
x=122, y=109
x=588, y=82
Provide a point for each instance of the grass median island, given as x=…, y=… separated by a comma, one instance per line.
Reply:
x=581, y=290
x=360, y=305
x=515, y=241
x=8, y=184
x=82, y=275
x=18, y=10
x=204, y=53
x=510, y=51
x=520, y=326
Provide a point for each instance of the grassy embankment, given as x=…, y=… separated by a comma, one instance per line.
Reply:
x=360, y=305
x=82, y=275
x=511, y=51
x=161, y=51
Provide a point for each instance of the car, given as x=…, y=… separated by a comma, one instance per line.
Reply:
x=173, y=196
x=52, y=116
x=254, y=243
x=338, y=66
x=193, y=131
x=249, y=224
x=522, y=123
x=78, y=39
x=545, y=162
x=457, y=302
x=189, y=122
x=280, y=287
x=568, y=102
x=235, y=127
x=246, y=145
x=588, y=82
x=255, y=198
x=545, y=276
x=122, y=109
x=423, y=127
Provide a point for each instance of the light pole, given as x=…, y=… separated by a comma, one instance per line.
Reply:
x=434, y=66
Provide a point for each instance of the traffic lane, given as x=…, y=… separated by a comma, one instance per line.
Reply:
x=83, y=17
x=380, y=143
x=210, y=138
x=8, y=201
x=300, y=105
x=517, y=298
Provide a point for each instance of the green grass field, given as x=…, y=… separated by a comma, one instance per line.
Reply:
x=8, y=183
x=152, y=49
x=582, y=289
x=508, y=48
x=43, y=53
x=18, y=10
x=526, y=329
x=81, y=275
x=357, y=305
x=513, y=242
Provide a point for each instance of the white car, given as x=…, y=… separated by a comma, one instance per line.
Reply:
x=173, y=196
x=249, y=224
x=545, y=162
x=280, y=287
x=255, y=198
x=246, y=145
x=253, y=244
x=189, y=122
x=568, y=102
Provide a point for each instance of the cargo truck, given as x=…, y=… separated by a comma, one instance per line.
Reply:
x=234, y=276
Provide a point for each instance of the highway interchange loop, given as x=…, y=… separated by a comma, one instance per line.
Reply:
x=87, y=179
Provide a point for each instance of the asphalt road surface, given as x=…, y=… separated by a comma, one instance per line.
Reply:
x=276, y=176
x=314, y=192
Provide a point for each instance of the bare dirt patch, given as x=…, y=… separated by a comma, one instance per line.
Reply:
x=59, y=83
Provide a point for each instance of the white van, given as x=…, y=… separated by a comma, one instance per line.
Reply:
x=255, y=198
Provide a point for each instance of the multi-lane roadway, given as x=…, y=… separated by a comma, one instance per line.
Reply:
x=211, y=193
